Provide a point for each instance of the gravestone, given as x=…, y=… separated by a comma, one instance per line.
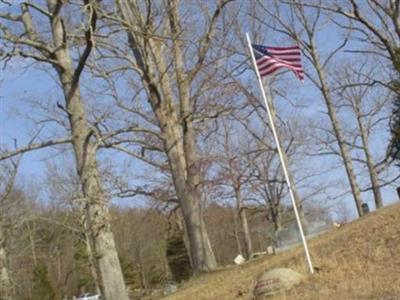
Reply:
x=239, y=259
x=270, y=250
x=365, y=208
x=276, y=280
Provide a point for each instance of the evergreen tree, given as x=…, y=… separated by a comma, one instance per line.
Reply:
x=82, y=267
x=42, y=286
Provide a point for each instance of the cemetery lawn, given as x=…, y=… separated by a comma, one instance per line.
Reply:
x=360, y=260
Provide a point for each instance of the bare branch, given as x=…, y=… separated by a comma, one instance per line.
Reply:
x=206, y=39
x=31, y=147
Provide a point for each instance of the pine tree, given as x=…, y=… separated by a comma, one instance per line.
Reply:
x=82, y=267
x=42, y=286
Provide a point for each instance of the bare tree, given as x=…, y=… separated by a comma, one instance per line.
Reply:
x=375, y=25
x=266, y=151
x=8, y=173
x=234, y=173
x=356, y=92
x=158, y=38
x=268, y=183
x=304, y=33
x=54, y=48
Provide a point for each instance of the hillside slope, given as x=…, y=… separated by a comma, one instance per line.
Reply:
x=360, y=260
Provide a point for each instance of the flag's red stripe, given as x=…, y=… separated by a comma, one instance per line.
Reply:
x=282, y=48
x=273, y=68
x=267, y=63
x=271, y=62
x=286, y=52
x=298, y=74
x=286, y=56
x=267, y=72
x=290, y=59
x=299, y=68
x=282, y=56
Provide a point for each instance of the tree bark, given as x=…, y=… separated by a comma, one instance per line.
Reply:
x=202, y=256
x=245, y=226
x=176, y=125
x=344, y=150
x=370, y=163
x=179, y=145
x=276, y=215
x=6, y=289
x=92, y=262
x=96, y=209
x=236, y=222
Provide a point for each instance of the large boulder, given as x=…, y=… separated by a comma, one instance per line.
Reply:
x=276, y=280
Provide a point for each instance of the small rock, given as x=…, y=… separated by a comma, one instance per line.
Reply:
x=276, y=280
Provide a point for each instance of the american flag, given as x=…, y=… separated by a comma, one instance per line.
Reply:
x=270, y=59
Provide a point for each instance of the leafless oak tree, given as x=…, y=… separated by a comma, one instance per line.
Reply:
x=304, y=33
x=158, y=38
x=53, y=48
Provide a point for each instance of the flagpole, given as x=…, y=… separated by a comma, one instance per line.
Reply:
x=283, y=163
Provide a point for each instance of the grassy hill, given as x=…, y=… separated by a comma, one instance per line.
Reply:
x=360, y=260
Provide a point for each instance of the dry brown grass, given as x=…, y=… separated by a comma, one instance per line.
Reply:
x=360, y=260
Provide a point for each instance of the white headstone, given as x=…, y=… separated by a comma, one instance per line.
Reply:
x=270, y=250
x=239, y=259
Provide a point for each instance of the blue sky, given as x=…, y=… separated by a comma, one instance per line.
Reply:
x=19, y=86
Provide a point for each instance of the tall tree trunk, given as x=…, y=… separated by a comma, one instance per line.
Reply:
x=276, y=217
x=236, y=231
x=202, y=255
x=89, y=245
x=344, y=150
x=243, y=220
x=92, y=263
x=96, y=209
x=185, y=174
x=175, y=123
x=246, y=232
x=97, y=213
x=32, y=242
x=370, y=162
x=6, y=290
x=205, y=258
